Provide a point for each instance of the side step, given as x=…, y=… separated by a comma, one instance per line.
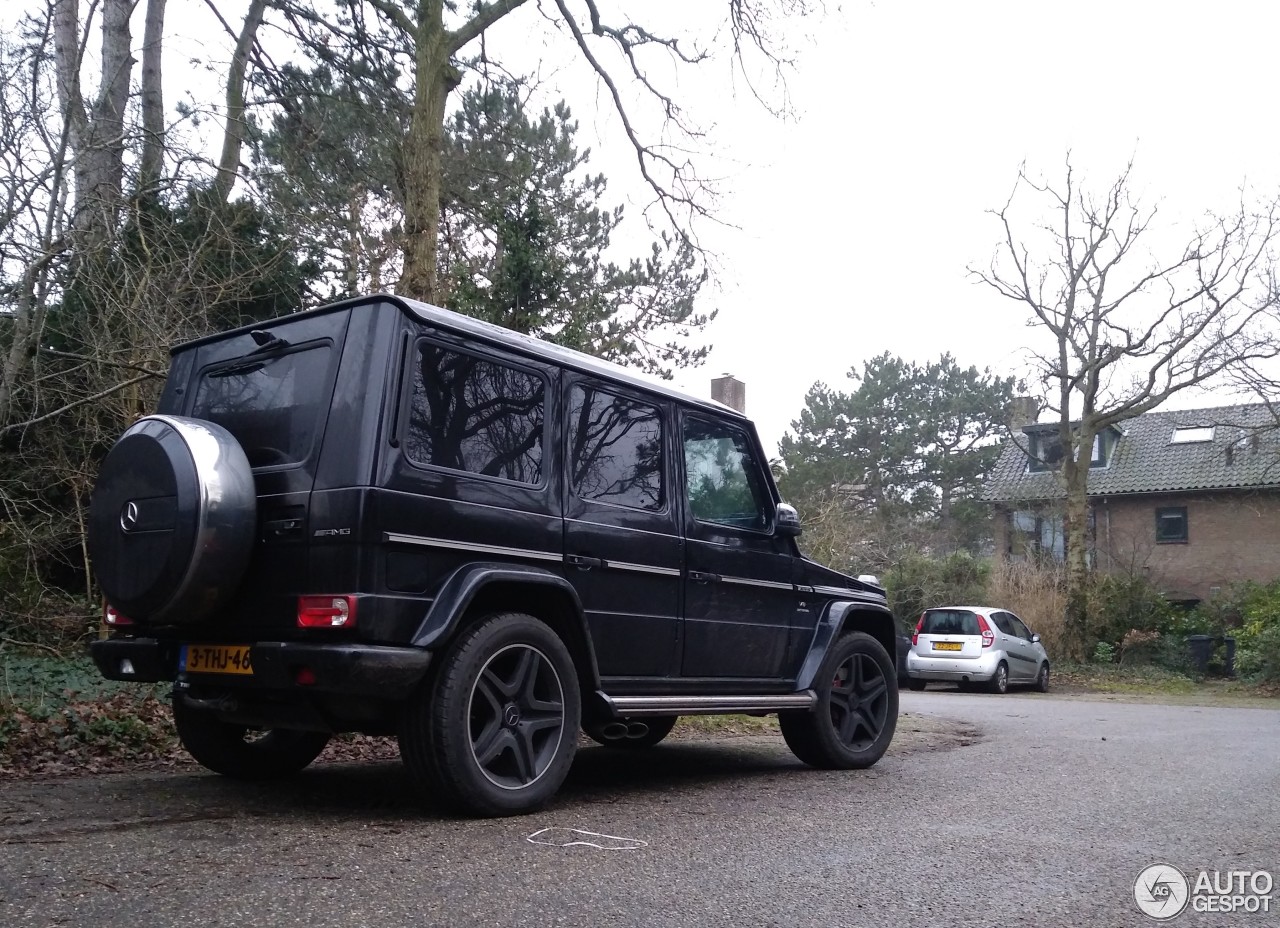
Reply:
x=628, y=706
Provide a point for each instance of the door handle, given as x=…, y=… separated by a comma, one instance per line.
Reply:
x=583, y=562
x=698, y=576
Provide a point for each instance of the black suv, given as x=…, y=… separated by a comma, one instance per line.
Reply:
x=383, y=517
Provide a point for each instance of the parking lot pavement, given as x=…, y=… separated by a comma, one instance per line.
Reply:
x=1044, y=819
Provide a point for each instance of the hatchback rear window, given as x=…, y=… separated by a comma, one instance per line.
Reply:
x=273, y=407
x=950, y=622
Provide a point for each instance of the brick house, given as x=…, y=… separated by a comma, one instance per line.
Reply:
x=1190, y=498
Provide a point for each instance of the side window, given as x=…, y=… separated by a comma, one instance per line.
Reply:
x=475, y=415
x=723, y=476
x=1020, y=628
x=615, y=449
x=1002, y=620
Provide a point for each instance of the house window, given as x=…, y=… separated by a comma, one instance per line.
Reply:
x=1045, y=453
x=1037, y=534
x=1185, y=436
x=1099, y=457
x=1171, y=525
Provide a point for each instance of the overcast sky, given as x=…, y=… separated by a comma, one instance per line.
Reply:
x=849, y=229
x=860, y=221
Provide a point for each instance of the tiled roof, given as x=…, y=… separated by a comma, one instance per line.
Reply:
x=1145, y=461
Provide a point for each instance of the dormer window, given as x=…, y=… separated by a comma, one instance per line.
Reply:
x=1045, y=451
x=1186, y=435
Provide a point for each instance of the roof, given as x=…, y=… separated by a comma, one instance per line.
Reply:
x=1144, y=461
x=515, y=341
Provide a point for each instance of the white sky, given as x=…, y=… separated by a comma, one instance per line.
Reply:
x=856, y=222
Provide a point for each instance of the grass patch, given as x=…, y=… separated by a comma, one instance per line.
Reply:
x=1146, y=679
x=58, y=715
x=695, y=726
x=1116, y=678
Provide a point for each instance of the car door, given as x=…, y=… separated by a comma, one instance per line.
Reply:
x=622, y=543
x=1017, y=644
x=1030, y=650
x=739, y=596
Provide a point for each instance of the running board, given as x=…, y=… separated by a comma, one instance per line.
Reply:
x=628, y=706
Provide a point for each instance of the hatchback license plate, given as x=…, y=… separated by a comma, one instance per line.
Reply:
x=215, y=658
x=947, y=646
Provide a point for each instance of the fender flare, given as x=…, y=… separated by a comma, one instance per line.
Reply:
x=462, y=587
x=832, y=625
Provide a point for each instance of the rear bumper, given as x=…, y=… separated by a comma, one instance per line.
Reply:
x=344, y=669
x=920, y=667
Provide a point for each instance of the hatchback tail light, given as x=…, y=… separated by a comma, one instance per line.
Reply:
x=326, y=611
x=114, y=618
x=915, y=636
x=988, y=636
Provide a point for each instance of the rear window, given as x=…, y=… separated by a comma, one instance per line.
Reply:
x=950, y=622
x=274, y=407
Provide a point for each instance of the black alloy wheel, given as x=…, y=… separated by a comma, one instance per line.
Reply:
x=857, y=710
x=244, y=753
x=493, y=730
x=516, y=716
x=859, y=701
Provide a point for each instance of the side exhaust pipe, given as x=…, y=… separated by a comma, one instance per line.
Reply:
x=614, y=731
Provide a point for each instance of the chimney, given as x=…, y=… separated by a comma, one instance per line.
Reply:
x=731, y=391
x=1023, y=411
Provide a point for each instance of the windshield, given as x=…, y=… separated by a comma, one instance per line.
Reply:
x=274, y=406
x=950, y=622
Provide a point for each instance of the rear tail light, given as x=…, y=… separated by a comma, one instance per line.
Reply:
x=326, y=611
x=915, y=636
x=114, y=618
x=988, y=636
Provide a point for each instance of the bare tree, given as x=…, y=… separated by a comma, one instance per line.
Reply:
x=106, y=259
x=1124, y=331
x=431, y=36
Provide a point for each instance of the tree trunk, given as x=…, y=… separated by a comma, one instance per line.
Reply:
x=434, y=78
x=100, y=166
x=151, y=163
x=1076, y=541
x=233, y=136
x=66, y=56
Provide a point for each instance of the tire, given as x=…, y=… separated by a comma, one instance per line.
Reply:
x=656, y=728
x=172, y=520
x=916, y=685
x=241, y=753
x=857, y=711
x=1042, y=679
x=494, y=730
x=999, y=683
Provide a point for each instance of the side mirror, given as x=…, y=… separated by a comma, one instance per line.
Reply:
x=1035, y=639
x=787, y=521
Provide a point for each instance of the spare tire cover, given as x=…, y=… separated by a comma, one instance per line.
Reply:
x=172, y=520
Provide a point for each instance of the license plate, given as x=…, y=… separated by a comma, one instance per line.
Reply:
x=215, y=658
x=947, y=646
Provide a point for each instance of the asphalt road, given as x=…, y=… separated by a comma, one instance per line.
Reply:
x=1046, y=821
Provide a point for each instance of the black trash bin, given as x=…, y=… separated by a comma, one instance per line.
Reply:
x=1229, y=656
x=1201, y=647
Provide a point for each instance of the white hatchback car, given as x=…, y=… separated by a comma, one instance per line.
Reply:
x=976, y=644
